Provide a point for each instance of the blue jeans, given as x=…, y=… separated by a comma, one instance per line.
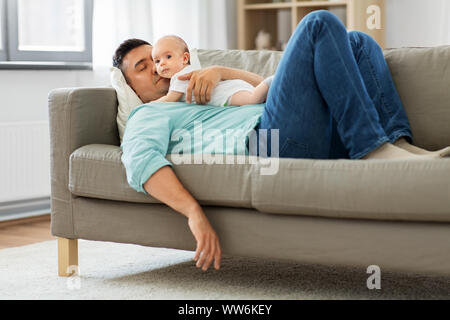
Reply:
x=333, y=95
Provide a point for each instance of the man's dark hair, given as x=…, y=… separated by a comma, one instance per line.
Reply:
x=123, y=50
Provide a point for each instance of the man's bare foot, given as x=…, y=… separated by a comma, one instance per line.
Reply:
x=389, y=151
x=405, y=145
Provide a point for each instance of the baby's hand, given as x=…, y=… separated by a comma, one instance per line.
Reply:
x=172, y=96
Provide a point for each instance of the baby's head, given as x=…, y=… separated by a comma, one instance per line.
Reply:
x=170, y=55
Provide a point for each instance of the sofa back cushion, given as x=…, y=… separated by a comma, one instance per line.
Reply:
x=422, y=78
x=421, y=75
x=260, y=62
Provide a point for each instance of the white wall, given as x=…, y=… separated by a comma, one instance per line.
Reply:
x=24, y=93
x=412, y=23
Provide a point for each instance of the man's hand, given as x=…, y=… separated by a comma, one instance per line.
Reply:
x=208, y=247
x=165, y=186
x=202, y=82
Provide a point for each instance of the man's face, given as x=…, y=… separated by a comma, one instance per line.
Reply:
x=141, y=74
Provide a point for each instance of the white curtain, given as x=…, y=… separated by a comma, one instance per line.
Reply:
x=417, y=23
x=205, y=24
x=116, y=21
x=202, y=23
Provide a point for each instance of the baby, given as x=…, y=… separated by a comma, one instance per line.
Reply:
x=172, y=59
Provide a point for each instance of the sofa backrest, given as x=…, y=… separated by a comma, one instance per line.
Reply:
x=421, y=75
x=260, y=62
x=422, y=79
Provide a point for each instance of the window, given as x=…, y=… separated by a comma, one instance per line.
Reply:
x=2, y=30
x=46, y=31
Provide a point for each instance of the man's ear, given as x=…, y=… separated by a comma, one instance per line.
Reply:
x=186, y=58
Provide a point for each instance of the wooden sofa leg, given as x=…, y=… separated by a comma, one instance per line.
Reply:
x=67, y=257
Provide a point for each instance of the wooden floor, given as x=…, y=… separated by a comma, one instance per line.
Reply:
x=25, y=231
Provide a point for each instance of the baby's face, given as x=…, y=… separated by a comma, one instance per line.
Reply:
x=169, y=58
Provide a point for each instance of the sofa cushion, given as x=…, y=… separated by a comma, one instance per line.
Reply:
x=416, y=190
x=262, y=62
x=97, y=171
x=422, y=79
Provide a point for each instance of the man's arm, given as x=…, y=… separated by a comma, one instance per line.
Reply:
x=203, y=81
x=231, y=74
x=144, y=147
x=165, y=186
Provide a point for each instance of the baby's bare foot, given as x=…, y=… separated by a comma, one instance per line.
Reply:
x=268, y=81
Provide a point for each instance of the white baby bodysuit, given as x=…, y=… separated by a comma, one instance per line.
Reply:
x=220, y=95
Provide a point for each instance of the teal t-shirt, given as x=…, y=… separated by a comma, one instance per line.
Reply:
x=156, y=129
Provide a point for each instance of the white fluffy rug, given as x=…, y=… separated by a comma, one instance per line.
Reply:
x=122, y=271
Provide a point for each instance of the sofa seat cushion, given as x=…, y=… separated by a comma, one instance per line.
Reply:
x=416, y=190
x=97, y=171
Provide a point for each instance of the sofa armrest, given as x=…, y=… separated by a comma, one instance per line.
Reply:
x=77, y=117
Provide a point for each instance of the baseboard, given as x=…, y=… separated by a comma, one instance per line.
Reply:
x=20, y=209
x=25, y=221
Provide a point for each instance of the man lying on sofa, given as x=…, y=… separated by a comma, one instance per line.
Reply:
x=320, y=98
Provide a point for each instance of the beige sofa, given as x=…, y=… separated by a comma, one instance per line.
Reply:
x=394, y=214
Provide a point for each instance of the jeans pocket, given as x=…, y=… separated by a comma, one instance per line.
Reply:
x=294, y=149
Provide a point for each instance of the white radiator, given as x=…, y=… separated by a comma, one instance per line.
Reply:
x=24, y=161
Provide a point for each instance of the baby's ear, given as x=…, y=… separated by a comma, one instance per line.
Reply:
x=187, y=58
